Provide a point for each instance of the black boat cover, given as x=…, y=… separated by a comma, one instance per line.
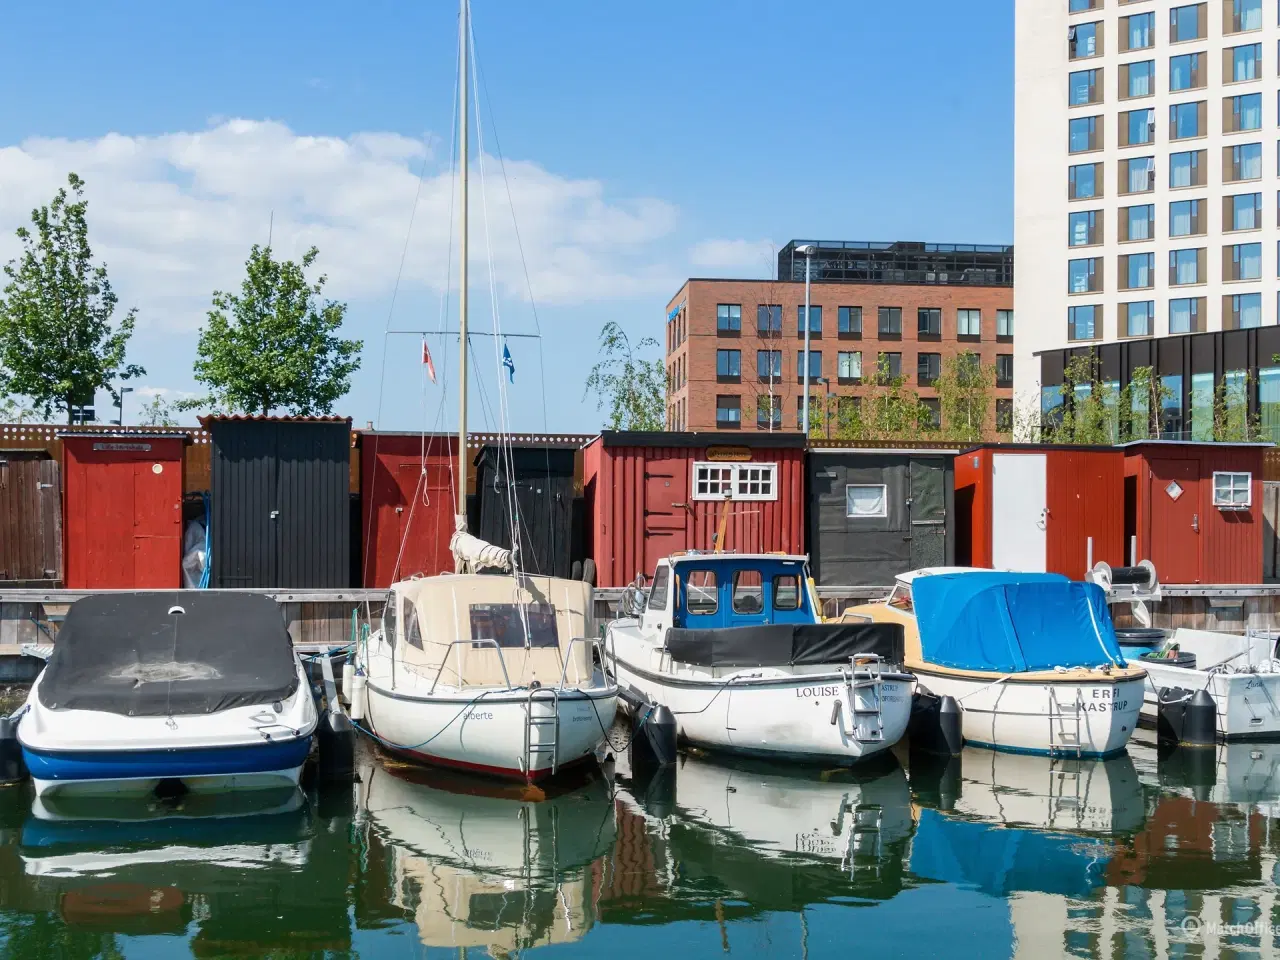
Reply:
x=785, y=644
x=169, y=654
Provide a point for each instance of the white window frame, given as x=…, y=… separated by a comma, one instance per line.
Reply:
x=884, y=501
x=712, y=480
x=1235, y=477
x=967, y=315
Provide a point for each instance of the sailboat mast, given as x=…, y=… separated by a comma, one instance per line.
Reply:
x=464, y=36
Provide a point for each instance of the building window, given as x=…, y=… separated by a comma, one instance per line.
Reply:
x=1269, y=402
x=849, y=365
x=1231, y=491
x=1186, y=266
x=1139, y=271
x=1136, y=79
x=815, y=320
x=1082, y=275
x=1186, y=218
x=933, y=406
x=969, y=323
x=764, y=407
x=929, y=321
x=928, y=368
x=1136, y=319
x=1082, y=87
x=890, y=321
x=1184, y=315
x=1137, y=127
x=815, y=411
x=1242, y=162
x=1076, y=6
x=1138, y=31
x=755, y=481
x=728, y=412
x=728, y=318
x=1242, y=261
x=866, y=500
x=888, y=366
x=1242, y=212
x=1138, y=175
x=1004, y=323
x=742, y=481
x=769, y=364
x=1083, y=181
x=1084, y=229
x=1243, y=15
x=1084, y=40
x=1004, y=370
x=1245, y=63
x=1189, y=22
x=815, y=365
x=1004, y=415
x=769, y=319
x=1084, y=134
x=1082, y=323
x=1186, y=120
x=729, y=363
x=849, y=320
x=1243, y=311
x=1186, y=169
x=1202, y=406
x=1138, y=223
x=1186, y=72
x=1240, y=113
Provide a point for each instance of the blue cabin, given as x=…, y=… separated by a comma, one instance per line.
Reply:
x=733, y=590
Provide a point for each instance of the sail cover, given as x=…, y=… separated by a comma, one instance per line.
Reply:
x=785, y=644
x=1013, y=622
x=126, y=653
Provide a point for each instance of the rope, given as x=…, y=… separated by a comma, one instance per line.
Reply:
x=397, y=746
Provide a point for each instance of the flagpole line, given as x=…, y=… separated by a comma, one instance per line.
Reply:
x=470, y=334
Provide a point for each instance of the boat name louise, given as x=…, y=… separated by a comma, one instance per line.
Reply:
x=834, y=690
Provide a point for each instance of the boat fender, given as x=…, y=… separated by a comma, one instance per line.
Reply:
x=936, y=724
x=12, y=766
x=1186, y=718
x=337, y=747
x=359, y=696
x=654, y=743
x=348, y=672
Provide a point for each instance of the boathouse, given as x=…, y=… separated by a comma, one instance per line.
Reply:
x=534, y=485
x=650, y=494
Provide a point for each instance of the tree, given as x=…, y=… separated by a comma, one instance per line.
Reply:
x=1089, y=410
x=12, y=411
x=157, y=413
x=886, y=411
x=57, y=343
x=275, y=345
x=634, y=389
x=964, y=396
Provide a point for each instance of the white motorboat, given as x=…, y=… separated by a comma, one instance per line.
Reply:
x=491, y=674
x=733, y=646
x=193, y=689
x=1031, y=658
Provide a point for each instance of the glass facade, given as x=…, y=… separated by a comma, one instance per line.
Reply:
x=1142, y=128
x=1183, y=315
x=1183, y=71
x=1081, y=133
x=1183, y=169
x=1081, y=323
x=1142, y=268
x=1269, y=402
x=1083, y=181
x=1183, y=215
x=1246, y=212
x=1202, y=406
x=1142, y=29
x=1184, y=121
x=1246, y=62
x=1141, y=76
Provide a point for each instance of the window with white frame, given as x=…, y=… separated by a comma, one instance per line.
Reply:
x=1231, y=491
x=740, y=481
x=866, y=500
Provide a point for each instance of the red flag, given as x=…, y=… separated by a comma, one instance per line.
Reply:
x=426, y=358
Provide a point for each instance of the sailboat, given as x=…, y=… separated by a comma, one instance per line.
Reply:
x=489, y=669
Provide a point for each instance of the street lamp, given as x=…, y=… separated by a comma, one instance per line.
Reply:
x=120, y=405
x=807, y=251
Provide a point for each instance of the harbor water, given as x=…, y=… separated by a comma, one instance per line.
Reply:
x=985, y=855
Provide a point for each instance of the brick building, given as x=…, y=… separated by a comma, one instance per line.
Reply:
x=732, y=344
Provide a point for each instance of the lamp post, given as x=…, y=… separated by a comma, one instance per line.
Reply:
x=807, y=251
x=826, y=403
x=120, y=405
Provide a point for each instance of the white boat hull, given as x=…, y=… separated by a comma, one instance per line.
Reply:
x=1248, y=704
x=1068, y=718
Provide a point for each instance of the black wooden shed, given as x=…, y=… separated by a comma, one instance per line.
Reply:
x=876, y=513
x=280, y=501
x=540, y=480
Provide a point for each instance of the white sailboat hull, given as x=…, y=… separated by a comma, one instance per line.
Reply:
x=1068, y=717
x=1248, y=704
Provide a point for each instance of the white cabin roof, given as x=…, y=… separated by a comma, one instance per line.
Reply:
x=935, y=571
x=702, y=555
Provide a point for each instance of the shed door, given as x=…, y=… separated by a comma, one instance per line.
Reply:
x=157, y=524
x=426, y=525
x=1019, y=511
x=666, y=498
x=1175, y=520
x=928, y=514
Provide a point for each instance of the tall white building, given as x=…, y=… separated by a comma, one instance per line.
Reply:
x=1146, y=202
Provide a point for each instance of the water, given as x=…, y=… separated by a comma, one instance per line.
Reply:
x=988, y=856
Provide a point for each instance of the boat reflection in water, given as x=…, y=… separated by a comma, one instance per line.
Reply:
x=503, y=867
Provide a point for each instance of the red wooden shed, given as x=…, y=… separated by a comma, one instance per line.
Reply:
x=1196, y=509
x=122, y=496
x=1035, y=507
x=650, y=494
x=407, y=504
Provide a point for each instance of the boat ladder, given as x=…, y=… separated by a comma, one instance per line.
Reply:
x=1061, y=739
x=865, y=838
x=1065, y=797
x=866, y=710
x=535, y=723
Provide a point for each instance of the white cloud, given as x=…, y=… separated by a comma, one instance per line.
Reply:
x=173, y=216
x=751, y=256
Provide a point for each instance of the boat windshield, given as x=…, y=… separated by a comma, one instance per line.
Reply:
x=900, y=597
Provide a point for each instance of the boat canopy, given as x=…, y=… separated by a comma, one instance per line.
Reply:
x=170, y=654
x=786, y=644
x=466, y=628
x=1013, y=622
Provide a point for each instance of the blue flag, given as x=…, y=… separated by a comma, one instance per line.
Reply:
x=509, y=364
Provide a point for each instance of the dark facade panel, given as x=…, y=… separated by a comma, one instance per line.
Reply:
x=538, y=483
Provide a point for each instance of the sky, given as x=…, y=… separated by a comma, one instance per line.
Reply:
x=641, y=144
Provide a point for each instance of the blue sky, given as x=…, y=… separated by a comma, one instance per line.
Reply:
x=646, y=143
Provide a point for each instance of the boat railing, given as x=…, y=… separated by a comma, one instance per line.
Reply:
x=592, y=644
x=472, y=643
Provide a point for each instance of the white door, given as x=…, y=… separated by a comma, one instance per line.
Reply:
x=1019, y=510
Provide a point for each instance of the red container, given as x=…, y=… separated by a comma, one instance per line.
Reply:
x=1037, y=507
x=1169, y=495
x=651, y=494
x=123, y=508
x=407, y=505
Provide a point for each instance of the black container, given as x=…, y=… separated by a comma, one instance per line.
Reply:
x=1185, y=660
x=12, y=767
x=1187, y=718
x=281, y=502
x=336, y=740
x=653, y=738
x=541, y=481
x=935, y=724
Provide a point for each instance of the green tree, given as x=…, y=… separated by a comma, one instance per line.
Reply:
x=13, y=411
x=634, y=389
x=157, y=413
x=887, y=410
x=275, y=345
x=964, y=389
x=57, y=342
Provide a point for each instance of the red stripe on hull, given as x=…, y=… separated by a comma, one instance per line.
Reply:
x=484, y=769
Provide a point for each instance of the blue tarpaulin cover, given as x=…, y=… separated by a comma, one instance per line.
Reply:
x=1013, y=622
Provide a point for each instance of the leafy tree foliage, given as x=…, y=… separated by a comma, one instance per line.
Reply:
x=634, y=389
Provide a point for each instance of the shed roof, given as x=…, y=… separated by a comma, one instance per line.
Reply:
x=694, y=439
